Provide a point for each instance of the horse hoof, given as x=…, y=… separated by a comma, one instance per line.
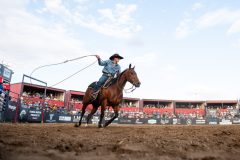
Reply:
x=100, y=126
x=86, y=125
x=76, y=125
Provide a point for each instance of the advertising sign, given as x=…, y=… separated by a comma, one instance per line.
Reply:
x=125, y=121
x=64, y=118
x=95, y=119
x=165, y=121
x=5, y=72
x=236, y=121
x=176, y=121
x=50, y=117
x=152, y=121
x=34, y=115
x=200, y=121
x=225, y=122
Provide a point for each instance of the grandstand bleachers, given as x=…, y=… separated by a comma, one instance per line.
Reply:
x=72, y=101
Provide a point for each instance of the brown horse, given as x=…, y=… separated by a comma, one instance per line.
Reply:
x=110, y=96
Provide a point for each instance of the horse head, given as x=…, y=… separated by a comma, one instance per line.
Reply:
x=132, y=77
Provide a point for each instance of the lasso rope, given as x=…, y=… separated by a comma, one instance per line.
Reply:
x=55, y=64
x=74, y=74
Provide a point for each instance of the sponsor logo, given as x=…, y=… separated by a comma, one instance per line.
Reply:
x=125, y=121
x=175, y=121
x=225, y=122
x=200, y=121
x=95, y=120
x=152, y=121
x=65, y=118
x=35, y=112
x=76, y=118
x=212, y=122
x=7, y=73
x=188, y=121
x=51, y=120
x=13, y=108
x=138, y=121
x=164, y=121
x=236, y=121
x=34, y=115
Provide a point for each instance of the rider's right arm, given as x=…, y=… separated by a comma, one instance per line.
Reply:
x=102, y=63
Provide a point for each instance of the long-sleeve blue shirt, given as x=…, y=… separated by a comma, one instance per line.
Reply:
x=109, y=67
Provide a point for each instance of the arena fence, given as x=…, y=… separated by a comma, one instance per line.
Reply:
x=33, y=115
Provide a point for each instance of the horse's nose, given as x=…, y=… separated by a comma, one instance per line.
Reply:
x=138, y=84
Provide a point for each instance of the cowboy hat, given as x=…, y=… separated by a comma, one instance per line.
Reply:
x=116, y=55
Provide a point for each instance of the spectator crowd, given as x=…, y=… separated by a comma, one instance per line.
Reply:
x=54, y=105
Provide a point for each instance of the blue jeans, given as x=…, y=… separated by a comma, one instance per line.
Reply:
x=100, y=82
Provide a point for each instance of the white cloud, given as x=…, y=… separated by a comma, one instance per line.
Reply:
x=235, y=27
x=168, y=68
x=210, y=19
x=26, y=42
x=183, y=30
x=237, y=44
x=123, y=12
x=150, y=58
x=200, y=92
x=197, y=6
x=114, y=22
x=206, y=92
x=218, y=17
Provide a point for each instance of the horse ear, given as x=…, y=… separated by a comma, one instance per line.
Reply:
x=130, y=65
x=133, y=67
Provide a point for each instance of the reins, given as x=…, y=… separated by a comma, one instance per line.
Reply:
x=125, y=90
x=132, y=89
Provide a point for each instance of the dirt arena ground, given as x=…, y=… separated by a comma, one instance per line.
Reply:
x=118, y=142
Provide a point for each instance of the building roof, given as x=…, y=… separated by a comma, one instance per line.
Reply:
x=189, y=101
x=76, y=92
x=222, y=101
x=131, y=99
x=157, y=100
x=41, y=87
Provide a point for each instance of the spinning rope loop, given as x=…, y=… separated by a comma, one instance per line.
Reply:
x=55, y=64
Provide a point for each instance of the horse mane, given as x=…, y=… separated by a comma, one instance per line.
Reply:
x=114, y=80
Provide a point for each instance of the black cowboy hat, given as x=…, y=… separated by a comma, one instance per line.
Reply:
x=116, y=55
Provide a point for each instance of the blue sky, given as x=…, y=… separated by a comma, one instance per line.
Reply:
x=182, y=49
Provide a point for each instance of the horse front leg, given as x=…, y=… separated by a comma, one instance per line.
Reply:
x=91, y=114
x=101, y=117
x=116, y=109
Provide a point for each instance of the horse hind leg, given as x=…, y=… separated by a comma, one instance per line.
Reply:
x=82, y=114
x=112, y=119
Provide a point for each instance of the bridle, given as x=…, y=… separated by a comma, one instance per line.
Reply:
x=126, y=90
